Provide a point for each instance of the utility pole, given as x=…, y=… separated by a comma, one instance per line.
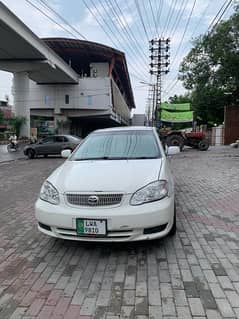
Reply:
x=159, y=65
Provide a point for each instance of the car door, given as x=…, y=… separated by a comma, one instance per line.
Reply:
x=59, y=144
x=45, y=146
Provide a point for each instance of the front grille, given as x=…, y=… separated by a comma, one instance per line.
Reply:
x=94, y=199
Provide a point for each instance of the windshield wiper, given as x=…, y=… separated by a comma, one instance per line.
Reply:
x=100, y=158
x=114, y=158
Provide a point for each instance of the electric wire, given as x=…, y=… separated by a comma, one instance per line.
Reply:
x=50, y=18
x=130, y=31
x=109, y=27
x=133, y=53
x=178, y=18
x=222, y=14
x=173, y=82
x=170, y=17
x=185, y=30
x=147, y=20
x=141, y=18
x=45, y=14
x=62, y=19
x=169, y=12
x=158, y=15
x=121, y=20
x=154, y=18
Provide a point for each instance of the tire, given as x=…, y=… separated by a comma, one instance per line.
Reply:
x=203, y=145
x=31, y=153
x=175, y=140
x=9, y=148
x=173, y=230
x=45, y=155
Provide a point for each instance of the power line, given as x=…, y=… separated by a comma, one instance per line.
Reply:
x=141, y=18
x=170, y=16
x=145, y=11
x=178, y=18
x=63, y=19
x=50, y=18
x=130, y=31
x=154, y=18
x=219, y=19
x=211, y=24
x=169, y=10
x=202, y=15
x=129, y=35
x=158, y=15
x=133, y=53
x=109, y=27
x=185, y=30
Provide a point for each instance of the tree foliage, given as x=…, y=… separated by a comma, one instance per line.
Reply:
x=211, y=70
x=17, y=122
x=179, y=99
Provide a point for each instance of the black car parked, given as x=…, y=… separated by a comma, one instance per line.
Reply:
x=51, y=145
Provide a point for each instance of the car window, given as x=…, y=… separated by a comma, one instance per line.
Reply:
x=119, y=145
x=47, y=140
x=59, y=139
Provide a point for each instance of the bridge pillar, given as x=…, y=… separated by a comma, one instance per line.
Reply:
x=21, y=99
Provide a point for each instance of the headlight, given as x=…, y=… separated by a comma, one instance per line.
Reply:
x=150, y=193
x=49, y=193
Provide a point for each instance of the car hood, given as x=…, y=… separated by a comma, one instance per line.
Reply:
x=107, y=176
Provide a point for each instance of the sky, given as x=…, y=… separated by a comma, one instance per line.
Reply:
x=127, y=26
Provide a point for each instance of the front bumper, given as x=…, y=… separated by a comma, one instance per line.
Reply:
x=124, y=222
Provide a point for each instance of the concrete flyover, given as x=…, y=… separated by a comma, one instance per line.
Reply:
x=64, y=80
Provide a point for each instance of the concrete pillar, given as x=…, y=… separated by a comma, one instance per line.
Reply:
x=62, y=124
x=21, y=99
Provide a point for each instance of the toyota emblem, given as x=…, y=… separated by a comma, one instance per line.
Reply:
x=93, y=200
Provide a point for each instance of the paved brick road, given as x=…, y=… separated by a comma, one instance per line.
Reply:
x=194, y=275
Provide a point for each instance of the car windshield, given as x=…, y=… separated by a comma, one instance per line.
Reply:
x=113, y=145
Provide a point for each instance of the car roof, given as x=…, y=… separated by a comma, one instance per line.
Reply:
x=126, y=128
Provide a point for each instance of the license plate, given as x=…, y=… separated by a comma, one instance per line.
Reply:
x=91, y=227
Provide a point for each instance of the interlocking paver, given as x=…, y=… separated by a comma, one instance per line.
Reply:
x=194, y=275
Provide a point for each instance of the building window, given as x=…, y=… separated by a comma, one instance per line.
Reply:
x=67, y=99
x=47, y=100
x=89, y=100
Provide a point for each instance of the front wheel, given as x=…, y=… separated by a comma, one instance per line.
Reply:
x=31, y=154
x=175, y=140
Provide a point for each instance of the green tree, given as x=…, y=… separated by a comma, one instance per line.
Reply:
x=17, y=122
x=179, y=99
x=211, y=70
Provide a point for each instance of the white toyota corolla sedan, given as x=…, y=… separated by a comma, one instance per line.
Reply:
x=115, y=186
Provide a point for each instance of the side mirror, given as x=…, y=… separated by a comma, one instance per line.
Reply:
x=65, y=153
x=172, y=150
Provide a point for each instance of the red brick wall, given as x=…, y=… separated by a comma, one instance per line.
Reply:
x=231, y=124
